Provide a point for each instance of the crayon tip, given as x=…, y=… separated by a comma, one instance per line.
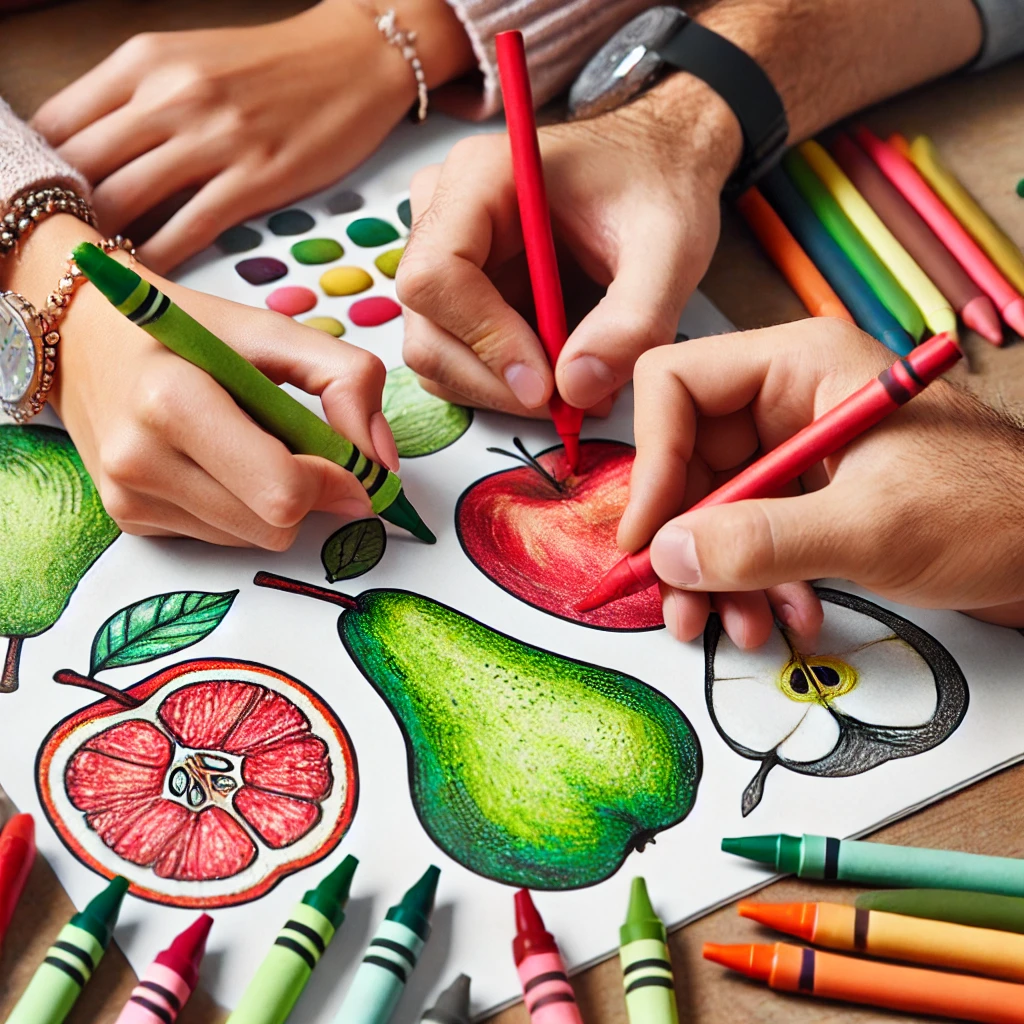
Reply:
x=185, y=953
x=571, y=443
x=401, y=513
x=792, y=918
x=621, y=580
x=528, y=917
x=980, y=315
x=452, y=1006
x=754, y=960
x=113, y=279
x=935, y=356
x=779, y=851
x=20, y=827
x=900, y=144
x=100, y=914
x=417, y=904
x=641, y=920
x=331, y=895
x=531, y=935
x=1013, y=314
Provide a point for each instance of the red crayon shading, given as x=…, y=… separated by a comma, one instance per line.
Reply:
x=536, y=220
x=17, y=853
x=546, y=990
x=867, y=406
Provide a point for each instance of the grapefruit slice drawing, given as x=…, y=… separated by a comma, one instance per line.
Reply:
x=204, y=785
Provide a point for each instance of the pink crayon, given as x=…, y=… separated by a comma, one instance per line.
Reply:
x=903, y=174
x=170, y=979
x=549, y=996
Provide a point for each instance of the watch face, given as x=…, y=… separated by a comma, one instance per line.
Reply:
x=17, y=352
x=626, y=64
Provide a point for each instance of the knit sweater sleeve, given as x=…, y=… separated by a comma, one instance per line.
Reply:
x=560, y=37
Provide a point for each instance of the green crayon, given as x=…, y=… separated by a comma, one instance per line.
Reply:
x=889, y=291
x=452, y=1006
x=270, y=406
x=646, y=969
x=71, y=960
x=280, y=979
x=976, y=909
x=391, y=956
x=847, y=860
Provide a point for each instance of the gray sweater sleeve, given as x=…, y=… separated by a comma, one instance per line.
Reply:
x=1004, y=31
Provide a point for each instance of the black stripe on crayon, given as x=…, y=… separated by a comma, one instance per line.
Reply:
x=62, y=965
x=154, y=1008
x=396, y=947
x=367, y=469
x=861, y=920
x=896, y=391
x=307, y=932
x=149, y=301
x=543, y=979
x=806, y=981
x=82, y=954
x=350, y=462
x=654, y=979
x=831, y=858
x=297, y=948
x=162, y=307
x=911, y=372
x=377, y=484
x=388, y=965
x=163, y=993
x=555, y=997
x=639, y=965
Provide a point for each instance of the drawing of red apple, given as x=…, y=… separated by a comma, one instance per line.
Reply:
x=547, y=535
x=204, y=785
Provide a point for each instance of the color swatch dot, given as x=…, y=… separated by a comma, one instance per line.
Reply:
x=371, y=231
x=405, y=212
x=291, y=300
x=345, y=201
x=261, y=269
x=240, y=238
x=317, y=250
x=1020, y=188
x=326, y=323
x=345, y=281
x=387, y=262
x=374, y=311
x=290, y=222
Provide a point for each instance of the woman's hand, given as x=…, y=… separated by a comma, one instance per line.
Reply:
x=923, y=509
x=170, y=452
x=252, y=117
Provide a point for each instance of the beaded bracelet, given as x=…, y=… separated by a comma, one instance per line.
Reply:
x=29, y=208
x=405, y=42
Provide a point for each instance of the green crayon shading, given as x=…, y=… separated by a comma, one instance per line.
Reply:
x=452, y=1006
x=646, y=969
x=272, y=407
x=71, y=960
x=975, y=909
x=287, y=967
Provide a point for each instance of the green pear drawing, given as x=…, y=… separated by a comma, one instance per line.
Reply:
x=527, y=767
x=52, y=528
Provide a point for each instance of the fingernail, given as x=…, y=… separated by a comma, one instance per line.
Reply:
x=672, y=613
x=526, y=384
x=786, y=614
x=384, y=441
x=586, y=380
x=350, y=508
x=675, y=553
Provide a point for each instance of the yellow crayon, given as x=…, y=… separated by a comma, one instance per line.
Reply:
x=1001, y=249
x=935, y=308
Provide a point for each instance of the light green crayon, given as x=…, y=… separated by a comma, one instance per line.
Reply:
x=391, y=956
x=270, y=406
x=646, y=969
x=280, y=979
x=848, y=860
x=71, y=960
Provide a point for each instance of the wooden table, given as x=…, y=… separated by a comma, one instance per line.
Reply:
x=976, y=122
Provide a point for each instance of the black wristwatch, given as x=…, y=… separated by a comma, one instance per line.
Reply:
x=663, y=40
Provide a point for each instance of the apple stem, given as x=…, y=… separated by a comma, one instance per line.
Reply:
x=9, y=679
x=71, y=678
x=275, y=582
x=528, y=460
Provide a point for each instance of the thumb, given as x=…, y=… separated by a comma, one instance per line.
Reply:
x=753, y=545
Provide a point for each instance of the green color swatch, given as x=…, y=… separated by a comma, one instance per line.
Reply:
x=422, y=423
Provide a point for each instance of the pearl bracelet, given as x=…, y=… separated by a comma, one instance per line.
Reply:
x=405, y=42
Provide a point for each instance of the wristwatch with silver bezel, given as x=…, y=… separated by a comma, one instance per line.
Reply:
x=27, y=352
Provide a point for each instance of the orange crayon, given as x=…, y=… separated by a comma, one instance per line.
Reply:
x=910, y=989
x=896, y=937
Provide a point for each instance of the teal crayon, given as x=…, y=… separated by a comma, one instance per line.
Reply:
x=71, y=960
x=269, y=405
x=312, y=923
x=849, y=860
x=975, y=909
x=646, y=968
x=452, y=1006
x=391, y=956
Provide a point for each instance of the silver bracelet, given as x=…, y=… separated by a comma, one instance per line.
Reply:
x=387, y=25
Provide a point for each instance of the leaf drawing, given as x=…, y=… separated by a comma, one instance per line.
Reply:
x=354, y=550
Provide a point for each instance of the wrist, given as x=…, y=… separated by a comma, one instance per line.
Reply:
x=36, y=267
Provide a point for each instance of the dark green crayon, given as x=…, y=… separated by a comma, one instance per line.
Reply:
x=976, y=909
x=452, y=1006
x=71, y=960
x=270, y=406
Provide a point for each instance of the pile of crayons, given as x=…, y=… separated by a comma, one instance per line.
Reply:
x=882, y=234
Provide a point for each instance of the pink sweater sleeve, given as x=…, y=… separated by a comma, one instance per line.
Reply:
x=560, y=36
x=26, y=161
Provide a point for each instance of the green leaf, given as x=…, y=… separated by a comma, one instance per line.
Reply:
x=164, y=624
x=354, y=550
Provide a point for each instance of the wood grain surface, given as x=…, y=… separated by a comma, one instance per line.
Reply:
x=976, y=123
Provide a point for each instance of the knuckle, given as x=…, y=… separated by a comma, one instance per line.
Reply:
x=157, y=403
x=122, y=504
x=279, y=540
x=417, y=280
x=123, y=466
x=142, y=49
x=748, y=551
x=365, y=372
x=282, y=505
x=421, y=357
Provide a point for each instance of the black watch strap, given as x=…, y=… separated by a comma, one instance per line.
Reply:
x=741, y=82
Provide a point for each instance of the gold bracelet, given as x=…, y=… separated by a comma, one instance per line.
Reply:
x=29, y=208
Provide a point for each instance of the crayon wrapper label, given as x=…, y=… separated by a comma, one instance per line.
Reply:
x=647, y=982
x=380, y=980
x=547, y=993
x=157, y=999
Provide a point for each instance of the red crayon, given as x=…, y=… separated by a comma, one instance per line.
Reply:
x=170, y=979
x=536, y=220
x=17, y=852
x=869, y=405
x=546, y=990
